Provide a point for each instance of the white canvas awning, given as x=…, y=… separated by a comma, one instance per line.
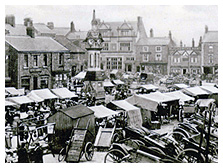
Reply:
x=45, y=94
x=195, y=91
x=123, y=104
x=178, y=94
x=9, y=103
x=32, y=95
x=204, y=102
x=118, y=82
x=114, y=71
x=108, y=84
x=21, y=91
x=142, y=102
x=20, y=100
x=12, y=91
x=210, y=89
x=181, y=85
x=134, y=114
x=63, y=93
x=148, y=87
x=150, y=101
x=159, y=97
x=102, y=111
x=81, y=75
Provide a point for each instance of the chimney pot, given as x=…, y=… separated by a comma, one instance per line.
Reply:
x=151, y=32
x=206, y=28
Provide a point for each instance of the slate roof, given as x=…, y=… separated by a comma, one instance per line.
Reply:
x=77, y=35
x=117, y=25
x=18, y=30
x=37, y=44
x=77, y=111
x=61, y=30
x=43, y=29
x=154, y=41
x=211, y=36
x=68, y=44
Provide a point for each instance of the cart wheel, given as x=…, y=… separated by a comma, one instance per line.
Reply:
x=178, y=136
x=62, y=155
x=115, y=138
x=190, y=156
x=114, y=156
x=89, y=151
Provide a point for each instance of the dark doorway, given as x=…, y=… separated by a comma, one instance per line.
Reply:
x=184, y=71
x=35, y=82
x=130, y=68
x=138, y=69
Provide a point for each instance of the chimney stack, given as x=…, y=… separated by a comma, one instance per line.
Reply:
x=151, y=32
x=72, y=28
x=30, y=31
x=200, y=41
x=28, y=22
x=181, y=43
x=10, y=19
x=50, y=25
x=206, y=28
x=141, y=28
x=193, y=42
x=170, y=35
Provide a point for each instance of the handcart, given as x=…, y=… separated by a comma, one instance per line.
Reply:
x=79, y=144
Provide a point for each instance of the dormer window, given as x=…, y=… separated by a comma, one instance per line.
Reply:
x=124, y=32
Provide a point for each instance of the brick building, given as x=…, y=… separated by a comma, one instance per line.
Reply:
x=184, y=60
x=152, y=52
x=209, y=52
x=30, y=61
x=77, y=59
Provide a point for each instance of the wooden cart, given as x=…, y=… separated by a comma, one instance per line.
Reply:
x=81, y=142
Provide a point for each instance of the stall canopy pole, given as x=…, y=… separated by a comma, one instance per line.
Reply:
x=208, y=135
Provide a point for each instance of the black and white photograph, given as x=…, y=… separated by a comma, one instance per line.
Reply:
x=111, y=83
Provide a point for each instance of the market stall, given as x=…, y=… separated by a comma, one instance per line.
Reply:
x=196, y=92
x=12, y=91
x=64, y=93
x=155, y=105
x=145, y=89
x=133, y=113
x=66, y=119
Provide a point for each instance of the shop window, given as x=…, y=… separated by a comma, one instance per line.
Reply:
x=44, y=82
x=25, y=83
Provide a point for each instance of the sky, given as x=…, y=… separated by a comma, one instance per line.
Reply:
x=185, y=22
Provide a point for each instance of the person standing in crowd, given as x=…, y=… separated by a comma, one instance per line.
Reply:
x=38, y=153
x=22, y=153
